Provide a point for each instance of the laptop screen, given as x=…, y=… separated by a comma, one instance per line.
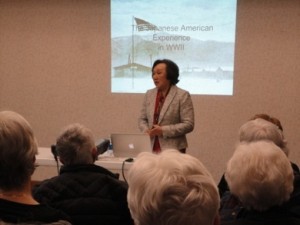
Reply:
x=130, y=145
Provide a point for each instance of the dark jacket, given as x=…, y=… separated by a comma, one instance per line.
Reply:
x=19, y=213
x=89, y=194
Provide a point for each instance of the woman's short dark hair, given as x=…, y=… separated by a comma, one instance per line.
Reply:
x=172, y=70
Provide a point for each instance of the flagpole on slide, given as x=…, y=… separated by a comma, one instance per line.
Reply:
x=132, y=53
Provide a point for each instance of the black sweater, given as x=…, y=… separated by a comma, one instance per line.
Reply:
x=89, y=194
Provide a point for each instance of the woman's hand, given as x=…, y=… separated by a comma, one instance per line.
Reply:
x=155, y=131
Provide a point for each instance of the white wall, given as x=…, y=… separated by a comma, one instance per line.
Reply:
x=55, y=70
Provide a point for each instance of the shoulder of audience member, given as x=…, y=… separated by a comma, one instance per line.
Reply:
x=60, y=222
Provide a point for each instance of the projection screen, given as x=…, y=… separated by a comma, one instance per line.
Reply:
x=197, y=35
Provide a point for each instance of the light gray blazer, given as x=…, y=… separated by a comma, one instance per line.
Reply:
x=176, y=117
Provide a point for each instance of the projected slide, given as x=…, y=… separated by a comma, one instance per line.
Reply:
x=197, y=35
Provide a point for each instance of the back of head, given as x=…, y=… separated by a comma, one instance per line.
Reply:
x=171, y=188
x=18, y=148
x=260, y=175
x=268, y=118
x=75, y=145
x=261, y=129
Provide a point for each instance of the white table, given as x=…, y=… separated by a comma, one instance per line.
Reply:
x=47, y=166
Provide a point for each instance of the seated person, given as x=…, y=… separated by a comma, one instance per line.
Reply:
x=260, y=179
x=171, y=188
x=259, y=129
x=278, y=124
x=18, y=148
x=90, y=194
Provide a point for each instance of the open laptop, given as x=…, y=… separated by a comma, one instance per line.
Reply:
x=130, y=145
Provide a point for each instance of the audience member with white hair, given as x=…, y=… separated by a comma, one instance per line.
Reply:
x=257, y=129
x=90, y=194
x=261, y=183
x=172, y=188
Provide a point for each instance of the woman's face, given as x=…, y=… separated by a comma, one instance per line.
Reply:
x=159, y=76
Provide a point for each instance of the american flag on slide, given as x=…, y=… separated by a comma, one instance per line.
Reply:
x=143, y=25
